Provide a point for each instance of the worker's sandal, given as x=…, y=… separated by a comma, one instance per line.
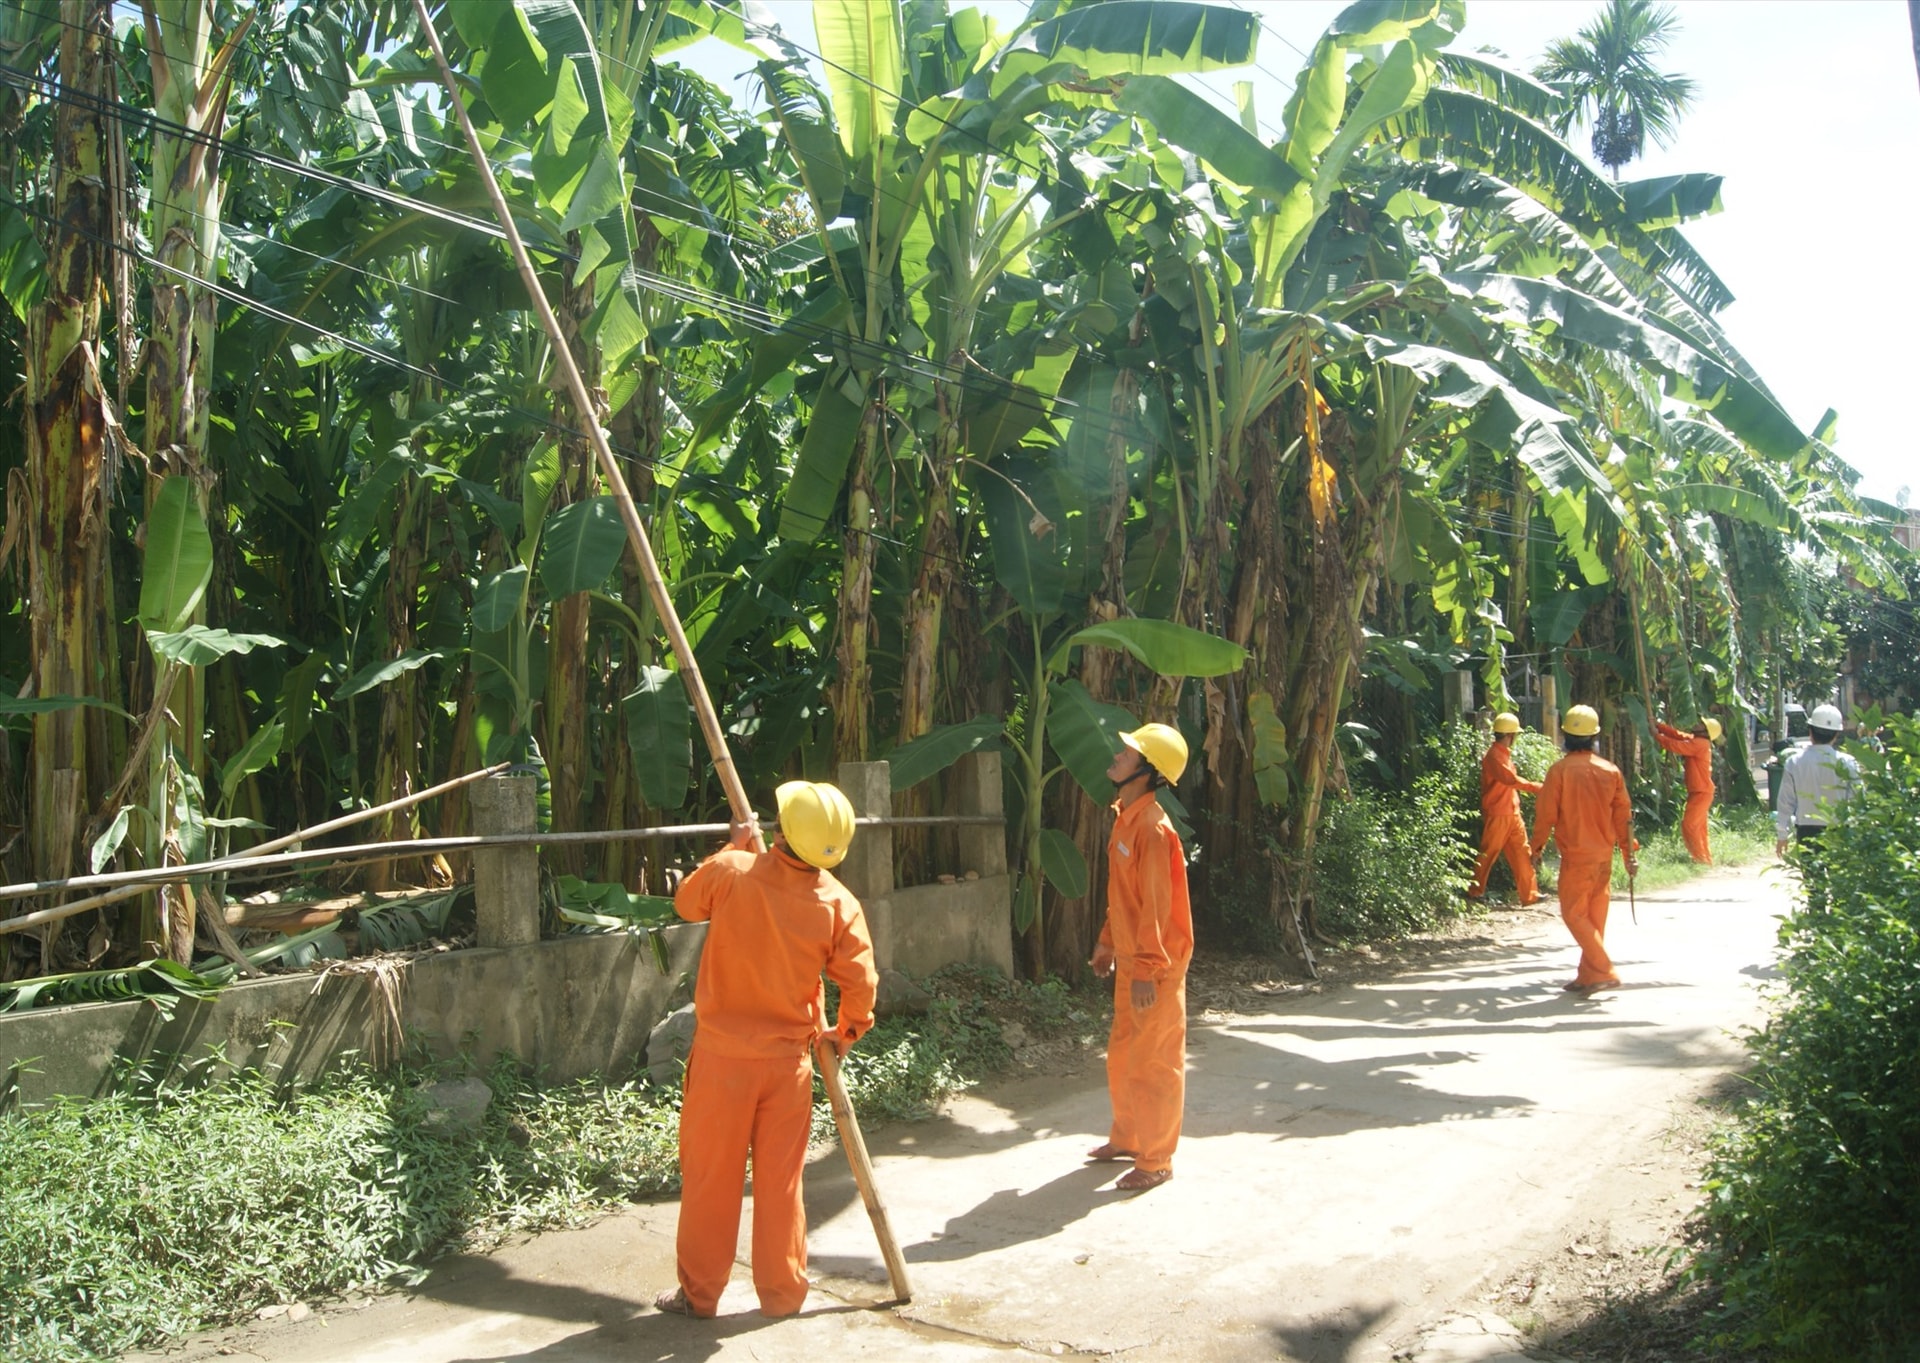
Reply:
x=674, y=1301
x=1139, y=1180
x=1109, y=1153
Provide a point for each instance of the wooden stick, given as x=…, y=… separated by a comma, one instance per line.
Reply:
x=252, y=856
x=663, y=604
x=361, y=816
x=855, y=1145
x=55, y=914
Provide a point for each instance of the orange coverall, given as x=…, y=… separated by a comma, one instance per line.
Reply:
x=775, y=924
x=1696, y=755
x=1149, y=929
x=1583, y=806
x=1502, y=829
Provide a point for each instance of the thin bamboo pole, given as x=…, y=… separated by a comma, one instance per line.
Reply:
x=401, y=848
x=669, y=617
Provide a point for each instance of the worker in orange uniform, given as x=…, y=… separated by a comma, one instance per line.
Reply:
x=1583, y=807
x=1146, y=944
x=777, y=919
x=1695, y=751
x=1501, y=827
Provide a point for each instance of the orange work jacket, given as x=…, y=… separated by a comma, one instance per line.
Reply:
x=775, y=923
x=1695, y=754
x=1500, y=783
x=1149, y=921
x=1583, y=805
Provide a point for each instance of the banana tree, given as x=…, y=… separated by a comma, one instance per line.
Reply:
x=70, y=461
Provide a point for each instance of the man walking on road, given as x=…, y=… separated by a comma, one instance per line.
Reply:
x=1501, y=828
x=1695, y=751
x=777, y=920
x=1816, y=781
x=1146, y=944
x=1583, y=807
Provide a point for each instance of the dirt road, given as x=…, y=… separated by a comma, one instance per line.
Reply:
x=1359, y=1165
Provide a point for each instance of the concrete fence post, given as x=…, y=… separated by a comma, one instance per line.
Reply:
x=506, y=880
x=868, y=869
x=976, y=788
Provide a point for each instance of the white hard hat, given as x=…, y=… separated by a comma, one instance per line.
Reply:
x=1826, y=717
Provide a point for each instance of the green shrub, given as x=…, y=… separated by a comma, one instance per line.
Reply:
x=164, y=1208
x=160, y=1209
x=1390, y=865
x=1812, y=1225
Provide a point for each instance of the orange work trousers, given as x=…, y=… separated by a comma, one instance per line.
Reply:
x=1583, y=908
x=1504, y=833
x=732, y=1106
x=1693, y=824
x=1147, y=1071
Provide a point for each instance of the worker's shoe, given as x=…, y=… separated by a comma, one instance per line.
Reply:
x=1108, y=1153
x=1139, y=1180
x=675, y=1302
x=1473, y=896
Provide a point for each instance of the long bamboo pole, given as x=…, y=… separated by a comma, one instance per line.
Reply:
x=343, y=855
x=649, y=567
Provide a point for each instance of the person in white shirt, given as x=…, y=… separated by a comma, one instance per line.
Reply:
x=1816, y=782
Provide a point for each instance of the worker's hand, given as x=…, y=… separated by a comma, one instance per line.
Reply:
x=1102, y=961
x=1144, y=993
x=746, y=835
x=836, y=1043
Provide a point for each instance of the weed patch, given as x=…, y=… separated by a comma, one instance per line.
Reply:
x=1738, y=837
x=167, y=1208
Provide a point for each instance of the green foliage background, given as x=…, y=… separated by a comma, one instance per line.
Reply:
x=1812, y=1221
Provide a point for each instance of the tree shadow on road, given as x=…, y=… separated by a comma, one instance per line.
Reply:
x=1330, y=1337
x=665, y=1338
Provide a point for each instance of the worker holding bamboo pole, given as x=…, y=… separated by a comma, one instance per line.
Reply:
x=1503, y=831
x=776, y=920
x=1583, y=807
x=1695, y=751
x=1145, y=944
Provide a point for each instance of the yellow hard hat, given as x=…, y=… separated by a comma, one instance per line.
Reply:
x=816, y=820
x=1582, y=721
x=1713, y=729
x=1162, y=746
x=1506, y=722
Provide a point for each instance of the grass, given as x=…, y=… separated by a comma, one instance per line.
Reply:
x=171, y=1206
x=1737, y=838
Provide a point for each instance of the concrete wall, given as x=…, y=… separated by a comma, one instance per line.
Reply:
x=920, y=930
x=568, y=1006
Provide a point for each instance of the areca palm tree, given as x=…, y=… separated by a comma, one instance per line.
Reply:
x=1608, y=76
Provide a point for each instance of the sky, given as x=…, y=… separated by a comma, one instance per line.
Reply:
x=1809, y=108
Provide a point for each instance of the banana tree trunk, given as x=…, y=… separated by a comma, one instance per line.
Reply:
x=926, y=610
x=640, y=425
x=189, y=97
x=69, y=586
x=397, y=760
x=568, y=741
x=1074, y=923
x=852, y=695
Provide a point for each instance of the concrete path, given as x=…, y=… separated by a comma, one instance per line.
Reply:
x=1357, y=1164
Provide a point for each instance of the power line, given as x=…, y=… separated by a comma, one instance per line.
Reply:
x=119, y=109
x=553, y=424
